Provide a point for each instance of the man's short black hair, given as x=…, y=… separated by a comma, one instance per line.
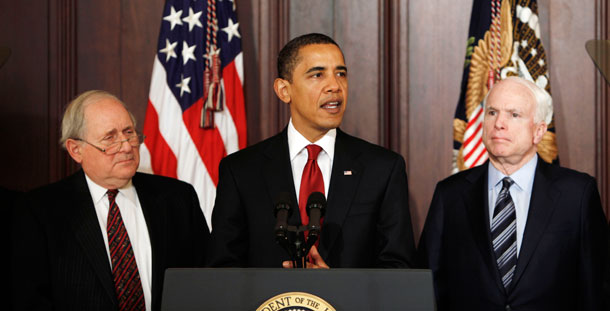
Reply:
x=288, y=57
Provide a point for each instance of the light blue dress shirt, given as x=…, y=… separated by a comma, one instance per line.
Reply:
x=520, y=191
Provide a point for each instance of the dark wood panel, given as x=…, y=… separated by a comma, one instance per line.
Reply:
x=311, y=16
x=602, y=96
x=396, y=68
x=357, y=31
x=62, y=81
x=140, y=24
x=24, y=115
x=572, y=76
x=437, y=47
x=248, y=14
x=99, y=46
x=268, y=32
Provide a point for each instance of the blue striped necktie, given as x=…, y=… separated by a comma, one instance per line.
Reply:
x=504, y=233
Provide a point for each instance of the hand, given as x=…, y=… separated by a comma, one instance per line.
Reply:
x=314, y=261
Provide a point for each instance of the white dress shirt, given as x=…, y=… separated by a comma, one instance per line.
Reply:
x=520, y=192
x=135, y=224
x=297, y=144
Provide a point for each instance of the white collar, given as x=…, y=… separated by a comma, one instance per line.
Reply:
x=297, y=142
x=98, y=192
x=522, y=177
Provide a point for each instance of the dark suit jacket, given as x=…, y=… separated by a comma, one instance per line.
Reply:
x=367, y=222
x=560, y=265
x=59, y=257
x=8, y=198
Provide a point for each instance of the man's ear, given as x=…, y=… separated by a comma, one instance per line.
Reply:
x=539, y=132
x=74, y=149
x=282, y=89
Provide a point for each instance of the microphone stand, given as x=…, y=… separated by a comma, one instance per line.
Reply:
x=295, y=244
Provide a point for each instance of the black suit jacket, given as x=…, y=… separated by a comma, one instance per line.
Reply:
x=560, y=265
x=59, y=260
x=367, y=222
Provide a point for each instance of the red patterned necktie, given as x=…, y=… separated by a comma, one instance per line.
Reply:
x=311, y=180
x=125, y=273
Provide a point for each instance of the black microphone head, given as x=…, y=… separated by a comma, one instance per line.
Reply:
x=316, y=200
x=282, y=202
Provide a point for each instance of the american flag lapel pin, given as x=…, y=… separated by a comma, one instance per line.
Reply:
x=347, y=173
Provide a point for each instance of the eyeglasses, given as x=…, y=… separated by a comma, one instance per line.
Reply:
x=115, y=147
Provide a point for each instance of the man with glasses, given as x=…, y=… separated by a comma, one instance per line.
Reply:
x=102, y=238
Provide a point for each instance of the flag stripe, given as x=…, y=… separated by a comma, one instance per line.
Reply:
x=193, y=79
x=190, y=166
x=233, y=76
x=156, y=146
x=204, y=139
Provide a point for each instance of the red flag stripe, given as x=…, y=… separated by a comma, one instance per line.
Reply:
x=478, y=143
x=163, y=160
x=474, y=134
x=208, y=142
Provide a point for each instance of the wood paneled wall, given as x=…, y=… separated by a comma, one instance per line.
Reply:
x=602, y=111
x=405, y=60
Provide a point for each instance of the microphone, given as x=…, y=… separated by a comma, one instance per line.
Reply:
x=282, y=211
x=316, y=207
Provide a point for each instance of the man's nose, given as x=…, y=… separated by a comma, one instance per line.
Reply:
x=333, y=84
x=500, y=122
x=125, y=145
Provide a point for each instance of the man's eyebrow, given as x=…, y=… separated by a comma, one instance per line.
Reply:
x=321, y=68
x=316, y=68
x=127, y=128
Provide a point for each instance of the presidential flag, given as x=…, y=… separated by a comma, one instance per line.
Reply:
x=504, y=40
x=195, y=114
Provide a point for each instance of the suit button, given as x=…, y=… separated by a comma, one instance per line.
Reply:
x=507, y=308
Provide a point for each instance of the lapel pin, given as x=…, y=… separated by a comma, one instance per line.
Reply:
x=347, y=173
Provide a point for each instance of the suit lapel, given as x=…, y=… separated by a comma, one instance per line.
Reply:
x=478, y=213
x=341, y=191
x=542, y=205
x=87, y=232
x=277, y=173
x=155, y=224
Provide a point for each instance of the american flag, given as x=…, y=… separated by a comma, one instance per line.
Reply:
x=504, y=40
x=195, y=114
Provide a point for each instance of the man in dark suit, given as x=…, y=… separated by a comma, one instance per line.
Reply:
x=516, y=233
x=102, y=238
x=367, y=221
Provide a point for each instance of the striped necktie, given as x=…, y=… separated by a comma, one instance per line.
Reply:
x=503, y=233
x=127, y=284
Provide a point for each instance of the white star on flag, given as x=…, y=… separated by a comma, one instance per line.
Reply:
x=169, y=50
x=193, y=19
x=533, y=52
x=523, y=44
x=173, y=18
x=184, y=85
x=231, y=30
x=188, y=52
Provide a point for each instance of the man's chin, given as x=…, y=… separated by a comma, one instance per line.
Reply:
x=126, y=170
